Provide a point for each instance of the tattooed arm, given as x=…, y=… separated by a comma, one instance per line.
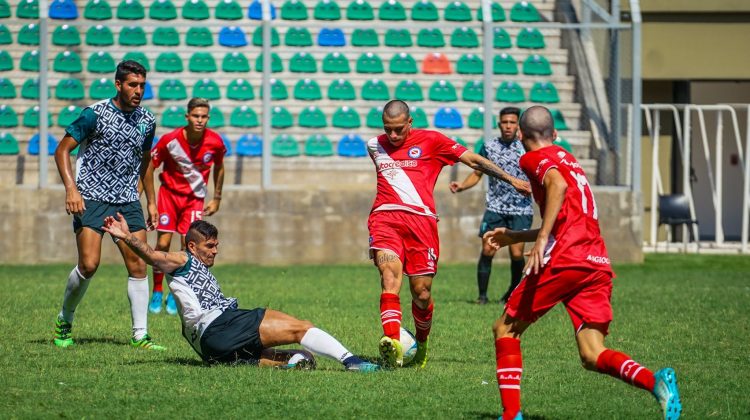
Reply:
x=479, y=163
x=167, y=262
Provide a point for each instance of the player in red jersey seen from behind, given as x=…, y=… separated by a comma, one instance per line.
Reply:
x=568, y=263
x=187, y=154
x=403, y=222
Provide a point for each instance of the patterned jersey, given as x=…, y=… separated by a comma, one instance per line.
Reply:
x=575, y=240
x=111, y=148
x=407, y=174
x=199, y=298
x=186, y=167
x=502, y=198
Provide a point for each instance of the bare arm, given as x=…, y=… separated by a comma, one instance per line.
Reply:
x=73, y=201
x=213, y=205
x=555, y=188
x=147, y=180
x=167, y=262
x=471, y=180
x=478, y=163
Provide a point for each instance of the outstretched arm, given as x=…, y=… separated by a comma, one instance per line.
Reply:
x=479, y=163
x=470, y=181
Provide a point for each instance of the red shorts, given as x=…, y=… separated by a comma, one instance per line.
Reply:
x=585, y=293
x=177, y=211
x=412, y=237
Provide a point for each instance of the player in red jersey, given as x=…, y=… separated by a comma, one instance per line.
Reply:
x=187, y=154
x=568, y=263
x=403, y=221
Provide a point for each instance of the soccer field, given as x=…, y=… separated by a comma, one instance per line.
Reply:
x=686, y=311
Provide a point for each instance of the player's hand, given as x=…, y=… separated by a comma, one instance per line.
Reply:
x=212, y=207
x=535, y=262
x=499, y=237
x=74, y=203
x=153, y=217
x=522, y=187
x=118, y=228
x=455, y=187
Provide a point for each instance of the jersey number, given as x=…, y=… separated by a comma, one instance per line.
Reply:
x=196, y=215
x=583, y=186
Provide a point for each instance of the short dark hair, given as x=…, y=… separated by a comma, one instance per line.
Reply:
x=510, y=110
x=129, y=67
x=201, y=230
x=537, y=124
x=395, y=108
x=198, y=103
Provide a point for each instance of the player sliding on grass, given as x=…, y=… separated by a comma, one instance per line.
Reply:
x=211, y=322
x=568, y=263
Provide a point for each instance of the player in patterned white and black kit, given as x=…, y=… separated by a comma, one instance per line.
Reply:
x=212, y=323
x=114, y=138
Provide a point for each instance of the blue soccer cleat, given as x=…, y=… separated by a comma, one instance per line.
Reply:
x=518, y=416
x=666, y=393
x=171, y=304
x=155, y=305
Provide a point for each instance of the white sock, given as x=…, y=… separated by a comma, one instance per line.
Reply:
x=74, y=292
x=322, y=343
x=138, y=296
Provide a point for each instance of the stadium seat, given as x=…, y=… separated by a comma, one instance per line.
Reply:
x=69, y=90
x=544, y=92
x=307, y=90
x=564, y=144
x=530, y=38
x=7, y=90
x=228, y=10
x=139, y=57
x=63, y=9
x=102, y=89
x=202, y=62
x=162, y=10
x=199, y=36
x=258, y=37
x=318, y=145
x=524, y=11
x=285, y=145
x=66, y=35
x=346, y=117
x=240, y=90
x=100, y=36
x=327, y=10
x=448, y=118
x=473, y=91
x=165, y=36
x=341, y=90
x=232, y=36
x=498, y=14
x=28, y=9
x=67, y=115
x=8, y=144
x=97, y=10
x=281, y=117
x=303, y=62
x=133, y=36
x=8, y=117
x=409, y=90
x=442, y=91
x=195, y=10
x=375, y=90
x=478, y=145
x=130, y=10
x=504, y=64
x=360, y=10
x=510, y=92
x=30, y=89
x=419, y=118
x=312, y=117
x=215, y=118
x=31, y=118
x=172, y=90
x=501, y=39
x=29, y=34
x=173, y=117
x=365, y=38
x=244, y=117
x=294, y=10
x=536, y=65
x=255, y=11
x=457, y=11
x=30, y=61
x=470, y=64
x=148, y=91
x=403, y=63
x=436, y=63
x=207, y=88
x=278, y=90
x=335, y=62
x=5, y=36
x=459, y=140
x=67, y=62
x=375, y=117
x=168, y=62
x=6, y=61
x=298, y=37
x=398, y=38
x=352, y=145
x=430, y=38
x=369, y=63
x=464, y=37
x=331, y=37
x=424, y=10
x=250, y=145
x=557, y=116
x=476, y=118
x=101, y=62
x=391, y=10
x=4, y=9
x=235, y=62
x=33, y=147
x=275, y=63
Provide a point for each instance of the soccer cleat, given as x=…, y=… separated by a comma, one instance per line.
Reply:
x=155, y=305
x=420, y=357
x=146, y=343
x=482, y=300
x=171, y=304
x=518, y=416
x=63, y=336
x=391, y=351
x=666, y=393
x=363, y=366
x=304, y=364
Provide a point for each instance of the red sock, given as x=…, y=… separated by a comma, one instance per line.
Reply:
x=158, y=280
x=390, y=315
x=509, y=370
x=422, y=320
x=621, y=366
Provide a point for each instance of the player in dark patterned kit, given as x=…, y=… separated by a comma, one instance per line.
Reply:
x=114, y=138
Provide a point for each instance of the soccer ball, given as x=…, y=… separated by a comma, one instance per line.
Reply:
x=408, y=344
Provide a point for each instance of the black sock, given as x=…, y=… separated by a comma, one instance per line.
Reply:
x=516, y=272
x=484, y=269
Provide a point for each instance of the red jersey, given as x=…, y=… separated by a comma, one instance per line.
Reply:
x=186, y=167
x=407, y=174
x=575, y=240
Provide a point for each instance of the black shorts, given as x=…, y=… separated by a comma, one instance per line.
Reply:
x=492, y=220
x=96, y=211
x=234, y=337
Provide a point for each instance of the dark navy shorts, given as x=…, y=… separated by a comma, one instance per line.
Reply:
x=234, y=337
x=96, y=211
x=492, y=220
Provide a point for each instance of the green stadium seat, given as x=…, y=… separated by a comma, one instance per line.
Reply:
x=173, y=117
x=235, y=62
x=165, y=36
x=215, y=118
x=398, y=38
x=530, y=38
x=498, y=14
x=365, y=38
x=375, y=117
x=101, y=62
x=130, y=10
x=312, y=117
x=478, y=145
x=69, y=90
x=6, y=61
x=30, y=61
x=97, y=10
x=442, y=91
x=459, y=140
x=318, y=145
x=391, y=10
x=258, y=37
x=298, y=37
x=102, y=89
x=560, y=123
x=424, y=10
x=244, y=117
x=369, y=63
x=564, y=144
x=5, y=36
x=509, y=92
x=100, y=36
x=4, y=9
x=208, y=89
x=199, y=36
x=168, y=62
x=228, y=10
x=341, y=90
x=360, y=10
x=276, y=65
x=476, y=118
x=307, y=90
x=29, y=34
x=470, y=64
x=375, y=90
x=409, y=90
x=30, y=89
x=67, y=62
x=536, y=65
x=172, y=90
x=195, y=10
x=327, y=10
x=285, y=145
x=501, y=39
x=8, y=117
x=464, y=37
x=346, y=117
x=8, y=144
x=31, y=117
x=139, y=58
x=294, y=10
x=28, y=9
x=335, y=62
x=403, y=63
x=430, y=38
x=473, y=91
x=303, y=62
x=281, y=117
x=133, y=36
x=524, y=11
x=278, y=90
x=66, y=35
x=162, y=10
x=419, y=118
x=240, y=90
x=504, y=64
x=544, y=92
x=202, y=62
x=67, y=115
x=457, y=11
x=7, y=89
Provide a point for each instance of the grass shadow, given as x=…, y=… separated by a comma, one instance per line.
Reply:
x=490, y=415
x=85, y=340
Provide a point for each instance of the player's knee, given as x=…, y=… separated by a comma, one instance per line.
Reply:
x=303, y=326
x=501, y=329
x=588, y=359
x=88, y=267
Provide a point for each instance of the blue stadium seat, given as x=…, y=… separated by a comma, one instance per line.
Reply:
x=227, y=145
x=331, y=37
x=255, y=11
x=33, y=148
x=232, y=36
x=63, y=9
x=250, y=145
x=448, y=118
x=352, y=145
x=148, y=91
